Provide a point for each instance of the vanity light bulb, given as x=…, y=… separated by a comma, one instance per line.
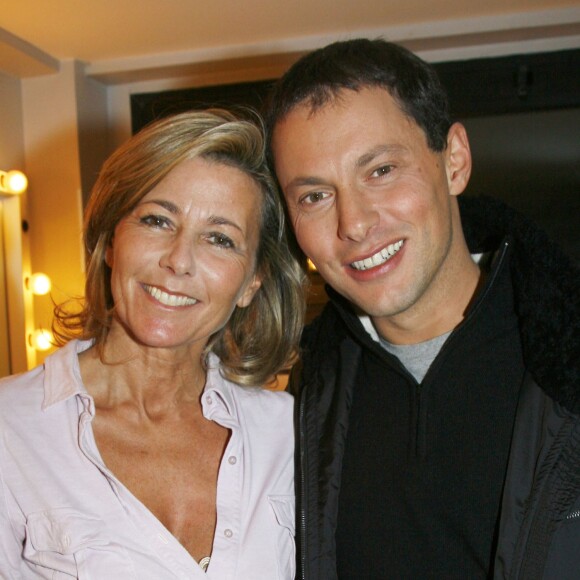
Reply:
x=41, y=339
x=14, y=181
x=39, y=284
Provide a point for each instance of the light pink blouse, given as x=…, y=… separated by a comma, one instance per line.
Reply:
x=63, y=514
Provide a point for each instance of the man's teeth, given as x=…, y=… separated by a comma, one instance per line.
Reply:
x=379, y=258
x=170, y=299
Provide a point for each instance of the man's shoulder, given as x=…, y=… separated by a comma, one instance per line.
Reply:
x=328, y=343
x=325, y=331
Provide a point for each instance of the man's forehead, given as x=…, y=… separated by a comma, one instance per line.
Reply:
x=335, y=100
x=346, y=107
x=316, y=103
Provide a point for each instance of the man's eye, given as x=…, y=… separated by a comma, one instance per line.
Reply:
x=382, y=171
x=221, y=240
x=313, y=197
x=155, y=221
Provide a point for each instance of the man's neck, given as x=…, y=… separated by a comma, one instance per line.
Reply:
x=436, y=313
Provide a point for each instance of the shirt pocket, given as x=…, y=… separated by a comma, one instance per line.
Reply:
x=71, y=544
x=283, y=507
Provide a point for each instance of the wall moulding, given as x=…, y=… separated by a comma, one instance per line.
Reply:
x=436, y=41
x=21, y=59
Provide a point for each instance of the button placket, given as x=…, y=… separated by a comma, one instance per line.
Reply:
x=229, y=493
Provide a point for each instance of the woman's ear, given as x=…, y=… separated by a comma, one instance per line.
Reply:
x=249, y=292
x=109, y=254
x=458, y=159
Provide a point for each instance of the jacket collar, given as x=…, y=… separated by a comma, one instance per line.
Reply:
x=546, y=291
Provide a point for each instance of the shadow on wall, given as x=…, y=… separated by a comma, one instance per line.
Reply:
x=532, y=162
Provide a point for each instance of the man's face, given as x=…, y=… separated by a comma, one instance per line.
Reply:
x=370, y=203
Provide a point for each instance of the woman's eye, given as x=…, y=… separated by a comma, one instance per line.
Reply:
x=155, y=221
x=313, y=197
x=221, y=240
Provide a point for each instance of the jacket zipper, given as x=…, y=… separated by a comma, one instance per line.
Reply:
x=302, y=490
x=573, y=515
x=495, y=269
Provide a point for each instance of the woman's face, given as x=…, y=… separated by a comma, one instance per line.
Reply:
x=185, y=257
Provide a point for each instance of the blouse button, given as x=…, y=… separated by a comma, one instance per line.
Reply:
x=228, y=533
x=209, y=400
x=232, y=460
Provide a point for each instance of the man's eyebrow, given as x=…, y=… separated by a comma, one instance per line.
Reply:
x=375, y=152
x=300, y=181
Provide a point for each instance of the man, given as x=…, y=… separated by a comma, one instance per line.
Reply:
x=438, y=402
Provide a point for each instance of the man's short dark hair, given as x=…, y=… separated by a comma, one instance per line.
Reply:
x=318, y=77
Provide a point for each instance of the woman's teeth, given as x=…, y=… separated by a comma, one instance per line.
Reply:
x=170, y=299
x=379, y=258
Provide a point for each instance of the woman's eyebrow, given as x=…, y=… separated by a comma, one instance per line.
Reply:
x=213, y=219
x=168, y=205
x=222, y=221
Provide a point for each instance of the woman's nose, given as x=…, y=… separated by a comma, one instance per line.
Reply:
x=179, y=256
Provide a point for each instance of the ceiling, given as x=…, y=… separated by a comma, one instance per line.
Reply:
x=114, y=35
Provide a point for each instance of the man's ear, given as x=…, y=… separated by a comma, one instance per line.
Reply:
x=248, y=294
x=458, y=159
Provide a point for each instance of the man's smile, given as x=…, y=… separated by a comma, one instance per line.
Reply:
x=379, y=258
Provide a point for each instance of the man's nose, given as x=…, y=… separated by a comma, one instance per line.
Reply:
x=356, y=217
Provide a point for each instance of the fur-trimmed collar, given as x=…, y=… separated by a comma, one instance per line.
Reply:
x=546, y=290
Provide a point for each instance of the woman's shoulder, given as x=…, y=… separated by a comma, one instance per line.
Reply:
x=262, y=395
x=21, y=384
x=269, y=398
x=21, y=397
x=259, y=400
x=28, y=391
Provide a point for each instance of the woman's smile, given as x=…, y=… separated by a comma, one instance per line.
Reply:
x=169, y=299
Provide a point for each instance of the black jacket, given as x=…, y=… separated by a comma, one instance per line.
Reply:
x=539, y=535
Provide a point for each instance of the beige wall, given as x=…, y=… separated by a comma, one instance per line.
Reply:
x=64, y=126
x=16, y=357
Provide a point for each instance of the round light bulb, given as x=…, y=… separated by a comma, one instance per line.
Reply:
x=14, y=181
x=41, y=339
x=39, y=284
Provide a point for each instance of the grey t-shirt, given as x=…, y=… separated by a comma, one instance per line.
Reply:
x=416, y=358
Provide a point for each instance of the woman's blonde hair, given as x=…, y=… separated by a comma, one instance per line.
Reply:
x=258, y=340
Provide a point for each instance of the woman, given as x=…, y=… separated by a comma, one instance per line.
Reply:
x=135, y=452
